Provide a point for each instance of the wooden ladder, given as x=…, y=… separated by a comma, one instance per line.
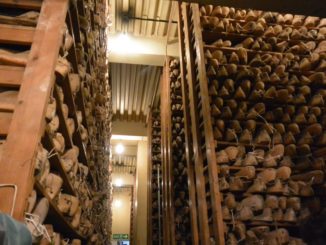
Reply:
x=22, y=119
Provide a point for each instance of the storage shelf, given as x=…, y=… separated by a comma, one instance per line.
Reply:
x=22, y=123
x=56, y=164
x=59, y=222
x=64, y=82
x=211, y=36
x=198, y=89
x=63, y=128
x=262, y=223
x=243, y=22
x=5, y=121
x=8, y=20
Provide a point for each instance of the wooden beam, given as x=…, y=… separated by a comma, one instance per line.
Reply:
x=27, y=125
x=208, y=130
x=17, y=21
x=24, y=4
x=166, y=100
x=11, y=76
x=311, y=7
x=166, y=210
x=204, y=233
x=13, y=34
x=7, y=106
x=149, y=179
x=5, y=120
x=187, y=129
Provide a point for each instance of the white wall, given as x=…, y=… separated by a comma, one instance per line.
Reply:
x=127, y=179
x=121, y=215
x=141, y=219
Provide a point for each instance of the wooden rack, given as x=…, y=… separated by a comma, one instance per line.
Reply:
x=24, y=134
x=203, y=146
x=37, y=79
x=178, y=165
x=155, y=193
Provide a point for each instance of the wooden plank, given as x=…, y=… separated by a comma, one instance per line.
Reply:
x=135, y=207
x=131, y=230
x=13, y=34
x=72, y=56
x=7, y=106
x=17, y=21
x=166, y=92
x=149, y=179
x=27, y=122
x=5, y=121
x=187, y=129
x=165, y=204
x=24, y=4
x=198, y=155
x=73, y=13
x=209, y=139
x=11, y=76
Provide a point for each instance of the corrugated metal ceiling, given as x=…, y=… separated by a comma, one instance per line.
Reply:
x=142, y=17
x=133, y=89
x=134, y=86
x=124, y=164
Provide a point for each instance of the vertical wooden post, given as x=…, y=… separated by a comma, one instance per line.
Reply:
x=198, y=157
x=165, y=161
x=187, y=130
x=134, y=238
x=132, y=215
x=149, y=179
x=168, y=126
x=27, y=125
x=209, y=139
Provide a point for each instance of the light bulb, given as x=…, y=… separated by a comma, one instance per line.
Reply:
x=117, y=203
x=118, y=182
x=119, y=149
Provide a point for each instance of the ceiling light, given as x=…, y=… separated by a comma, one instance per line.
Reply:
x=122, y=43
x=125, y=44
x=117, y=203
x=119, y=149
x=118, y=182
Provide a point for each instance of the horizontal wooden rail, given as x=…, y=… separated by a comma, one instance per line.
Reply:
x=13, y=34
x=27, y=124
x=24, y=4
x=312, y=7
x=5, y=120
x=11, y=76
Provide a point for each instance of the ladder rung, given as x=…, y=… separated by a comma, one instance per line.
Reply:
x=5, y=120
x=24, y=4
x=13, y=34
x=11, y=76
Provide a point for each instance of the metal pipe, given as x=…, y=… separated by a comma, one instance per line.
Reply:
x=150, y=19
